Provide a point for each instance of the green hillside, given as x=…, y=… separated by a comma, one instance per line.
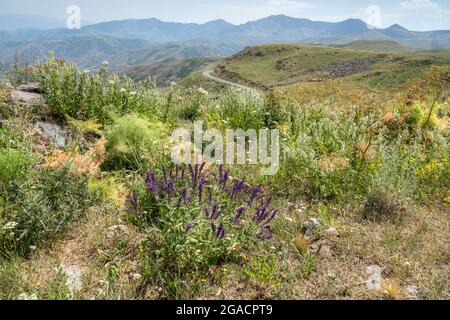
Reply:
x=385, y=46
x=283, y=64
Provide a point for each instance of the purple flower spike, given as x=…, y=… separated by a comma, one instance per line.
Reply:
x=273, y=213
x=206, y=211
x=215, y=211
x=240, y=211
x=133, y=201
x=185, y=197
x=191, y=171
x=189, y=226
x=170, y=188
x=221, y=231
x=148, y=179
x=214, y=228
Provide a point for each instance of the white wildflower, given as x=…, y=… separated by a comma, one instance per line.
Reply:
x=136, y=276
x=123, y=90
x=26, y=296
x=202, y=91
x=10, y=225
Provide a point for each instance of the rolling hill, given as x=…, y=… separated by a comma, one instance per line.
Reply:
x=89, y=52
x=280, y=65
x=386, y=46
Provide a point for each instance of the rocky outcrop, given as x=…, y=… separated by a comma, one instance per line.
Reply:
x=344, y=68
x=30, y=93
x=54, y=133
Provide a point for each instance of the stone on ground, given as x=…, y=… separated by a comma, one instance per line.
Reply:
x=53, y=132
x=27, y=97
x=73, y=274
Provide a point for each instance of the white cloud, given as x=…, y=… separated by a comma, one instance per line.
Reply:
x=425, y=14
x=246, y=12
x=419, y=4
x=288, y=5
x=371, y=15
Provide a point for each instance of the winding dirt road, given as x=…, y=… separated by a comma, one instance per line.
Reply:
x=208, y=73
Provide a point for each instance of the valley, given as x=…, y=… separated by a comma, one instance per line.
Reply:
x=280, y=65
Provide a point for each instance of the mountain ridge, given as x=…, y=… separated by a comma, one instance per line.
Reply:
x=271, y=29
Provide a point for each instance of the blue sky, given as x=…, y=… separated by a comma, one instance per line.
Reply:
x=412, y=14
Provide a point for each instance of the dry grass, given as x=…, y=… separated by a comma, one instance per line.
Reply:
x=412, y=253
x=101, y=246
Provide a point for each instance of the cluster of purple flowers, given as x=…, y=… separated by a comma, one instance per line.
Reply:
x=192, y=186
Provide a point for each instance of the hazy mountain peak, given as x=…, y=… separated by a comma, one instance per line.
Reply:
x=218, y=21
x=397, y=27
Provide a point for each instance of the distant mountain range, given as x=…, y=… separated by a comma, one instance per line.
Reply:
x=267, y=30
x=140, y=42
x=11, y=22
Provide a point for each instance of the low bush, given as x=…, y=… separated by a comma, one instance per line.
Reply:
x=83, y=95
x=135, y=143
x=13, y=165
x=39, y=209
x=196, y=219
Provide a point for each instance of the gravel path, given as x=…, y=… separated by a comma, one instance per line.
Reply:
x=209, y=74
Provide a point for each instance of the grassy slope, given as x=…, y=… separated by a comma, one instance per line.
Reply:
x=278, y=65
x=384, y=46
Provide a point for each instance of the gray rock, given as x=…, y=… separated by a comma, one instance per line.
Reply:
x=32, y=87
x=73, y=282
x=310, y=226
x=412, y=292
x=344, y=68
x=53, y=132
x=332, y=232
x=374, y=278
x=116, y=231
x=27, y=97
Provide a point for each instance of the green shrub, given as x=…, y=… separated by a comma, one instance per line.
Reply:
x=274, y=112
x=13, y=165
x=393, y=185
x=191, y=110
x=195, y=220
x=135, y=143
x=40, y=209
x=84, y=95
x=237, y=110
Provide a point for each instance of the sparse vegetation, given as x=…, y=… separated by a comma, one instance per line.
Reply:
x=366, y=170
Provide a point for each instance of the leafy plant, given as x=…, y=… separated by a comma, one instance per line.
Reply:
x=135, y=143
x=263, y=270
x=13, y=165
x=40, y=209
x=197, y=219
